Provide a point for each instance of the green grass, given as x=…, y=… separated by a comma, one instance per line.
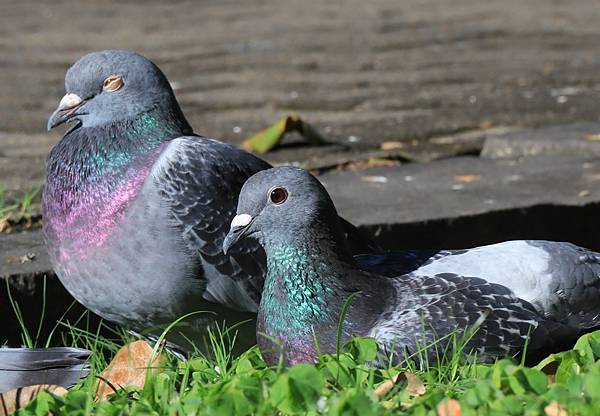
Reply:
x=343, y=383
x=339, y=384
x=18, y=206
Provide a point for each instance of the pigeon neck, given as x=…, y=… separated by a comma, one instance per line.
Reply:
x=93, y=173
x=86, y=154
x=311, y=274
x=304, y=290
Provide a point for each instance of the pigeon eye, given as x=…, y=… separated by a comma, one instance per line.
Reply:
x=278, y=195
x=112, y=83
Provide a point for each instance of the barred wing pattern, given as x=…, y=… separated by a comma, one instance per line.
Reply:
x=428, y=307
x=200, y=179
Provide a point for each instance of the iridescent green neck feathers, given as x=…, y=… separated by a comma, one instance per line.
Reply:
x=295, y=293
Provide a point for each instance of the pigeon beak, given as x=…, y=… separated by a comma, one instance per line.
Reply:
x=239, y=226
x=65, y=111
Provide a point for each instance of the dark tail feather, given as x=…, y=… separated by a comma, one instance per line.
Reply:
x=63, y=366
x=358, y=242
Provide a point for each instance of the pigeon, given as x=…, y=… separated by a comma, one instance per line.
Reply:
x=561, y=280
x=22, y=367
x=136, y=205
x=312, y=274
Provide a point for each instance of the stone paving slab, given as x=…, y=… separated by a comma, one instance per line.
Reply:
x=362, y=72
x=569, y=139
x=462, y=186
x=23, y=254
x=22, y=156
x=22, y=160
x=446, y=190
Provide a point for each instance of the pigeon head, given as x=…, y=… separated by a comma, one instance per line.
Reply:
x=280, y=203
x=109, y=86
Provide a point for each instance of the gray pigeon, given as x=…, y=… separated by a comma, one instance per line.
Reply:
x=561, y=280
x=136, y=205
x=311, y=273
x=61, y=366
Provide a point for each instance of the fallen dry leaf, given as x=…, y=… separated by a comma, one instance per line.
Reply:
x=4, y=224
x=129, y=368
x=486, y=124
x=583, y=193
x=593, y=137
x=271, y=137
x=374, y=179
x=415, y=386
x=555, y=409
x=17, y=398
x=385, y=387
x=391, y=145
x=29, y=257
x=449, y=407
x=372, y=162
x=467, y=178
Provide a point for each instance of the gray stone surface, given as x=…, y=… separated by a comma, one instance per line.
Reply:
x=22, y=160
x=376, y=70
x=567, y=139
x=463, y=186
x=447, y=190
x=23, y=254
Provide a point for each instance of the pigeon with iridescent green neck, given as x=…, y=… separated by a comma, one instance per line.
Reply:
x=311, y=273
x=136, y=206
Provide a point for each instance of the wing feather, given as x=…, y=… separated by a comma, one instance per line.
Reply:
x=200, y=179
x=428, y=308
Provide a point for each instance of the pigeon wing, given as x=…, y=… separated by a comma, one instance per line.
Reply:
x=200, y=179
x=488, y=317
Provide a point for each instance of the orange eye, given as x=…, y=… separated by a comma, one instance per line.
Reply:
x=278, y=195
x=112, y=83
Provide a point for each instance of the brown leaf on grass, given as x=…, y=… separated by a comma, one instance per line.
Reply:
x=555, y=409
x=17, y=398
x=467, y=178
x=414, y=387
x=129, y=368
x=449, y=407
x=385, y=387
